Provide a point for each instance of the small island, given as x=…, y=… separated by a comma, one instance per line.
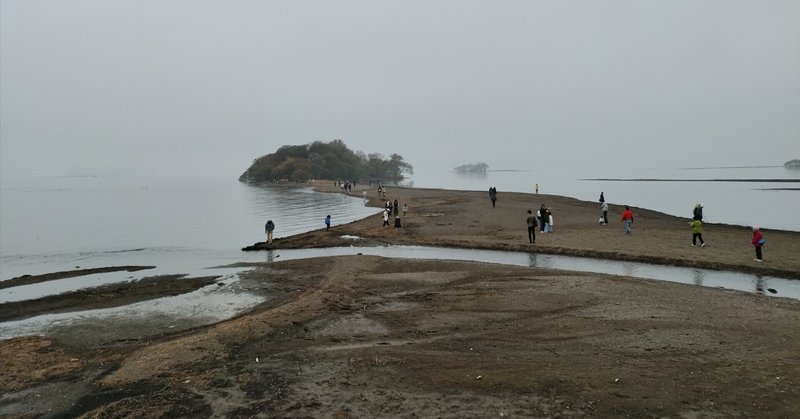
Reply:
x=319, y=160
x=792, y=164
x=472, y=168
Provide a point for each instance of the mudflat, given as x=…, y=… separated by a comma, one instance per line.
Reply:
x=364, y=336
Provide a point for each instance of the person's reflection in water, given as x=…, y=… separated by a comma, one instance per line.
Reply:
x=270, y=256
x=760, y=285
x=532, y=260
x=697, y=277
x=629, y=269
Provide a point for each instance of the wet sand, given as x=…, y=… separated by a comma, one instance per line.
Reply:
x=363, y=336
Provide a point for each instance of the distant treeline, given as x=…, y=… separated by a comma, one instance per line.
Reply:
x=320, y=160
x=792, y=164
x=472, y=168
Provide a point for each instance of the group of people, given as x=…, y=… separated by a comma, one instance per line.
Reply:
x=546, y=221
x=696, y=225
x=346, y=186
x=393, y=208
x=543, y=219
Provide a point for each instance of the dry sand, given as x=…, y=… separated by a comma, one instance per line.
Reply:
x=361, y=336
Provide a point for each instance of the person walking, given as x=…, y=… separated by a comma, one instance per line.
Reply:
x=604, y=208
x=602, y=198
x=550, y=222
x=493, y=196
x=405, y=210
x=386, y=217
x=396, y=208
x=531, y=220
x=758, y=241
x=269, y=228
x=327, y=223
x=627, y=220
x=697, y=232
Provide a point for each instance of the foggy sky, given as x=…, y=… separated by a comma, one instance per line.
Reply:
x=118, y=87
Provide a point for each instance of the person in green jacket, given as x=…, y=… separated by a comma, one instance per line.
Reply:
x=697, y=232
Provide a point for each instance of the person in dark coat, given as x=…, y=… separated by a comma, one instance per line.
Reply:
x=328, y=222
x=543, y=218
x=269, y=227
x=531, y=220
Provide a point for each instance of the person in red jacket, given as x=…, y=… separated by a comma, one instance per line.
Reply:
x=627, y=220
x=758, y=241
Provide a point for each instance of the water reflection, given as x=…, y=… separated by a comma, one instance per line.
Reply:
x=532, y=260
x=472, y=175
x=698, y=277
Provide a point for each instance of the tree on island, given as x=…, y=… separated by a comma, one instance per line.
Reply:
x=792, y=164
x=319, y=160
x=472, y=168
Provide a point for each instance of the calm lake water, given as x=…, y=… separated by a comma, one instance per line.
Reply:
x=185, y=225
x=181, y=225
x=741, y=203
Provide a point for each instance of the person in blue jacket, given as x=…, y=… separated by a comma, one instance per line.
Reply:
x=327, y=223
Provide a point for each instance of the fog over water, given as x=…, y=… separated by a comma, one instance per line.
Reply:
x=190, y=87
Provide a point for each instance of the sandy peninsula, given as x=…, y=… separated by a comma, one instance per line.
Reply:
x=363, y=336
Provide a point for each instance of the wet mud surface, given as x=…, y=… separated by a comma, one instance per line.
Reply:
x=35, y=279
x=363, y=336
x=105, y=296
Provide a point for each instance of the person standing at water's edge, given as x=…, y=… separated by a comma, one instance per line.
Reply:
x=602, y=198
x=697, y=232
x=269, y=227
x=758, y=241
x=531, y=220
x=328, y=222
x=627, y=220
